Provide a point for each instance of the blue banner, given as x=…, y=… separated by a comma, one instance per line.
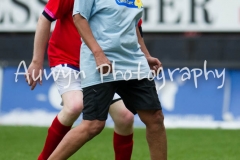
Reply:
x=188, y=98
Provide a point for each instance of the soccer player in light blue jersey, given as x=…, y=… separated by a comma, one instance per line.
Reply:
x=114, y=59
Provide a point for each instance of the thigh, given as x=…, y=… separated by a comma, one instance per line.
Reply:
x=73, y=99
x=97, y=99
x=139, y=95
x=118, y=111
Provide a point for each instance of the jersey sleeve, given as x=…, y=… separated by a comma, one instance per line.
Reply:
x=55, y=9
x=83, y=7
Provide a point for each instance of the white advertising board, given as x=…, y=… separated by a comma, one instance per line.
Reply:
x=192, y=15
x=159, y=15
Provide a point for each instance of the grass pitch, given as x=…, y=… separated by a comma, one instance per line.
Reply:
x=25, y=143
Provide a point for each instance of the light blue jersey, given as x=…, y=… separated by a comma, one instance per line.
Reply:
x=113, y=23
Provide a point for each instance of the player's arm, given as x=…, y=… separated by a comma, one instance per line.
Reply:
x=82, y=25
x=141, y=41
x=41, y=39
x=40, y=42
x=84, y=30
x=153, y=62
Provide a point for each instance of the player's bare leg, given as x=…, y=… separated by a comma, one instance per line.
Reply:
x=123, y=130
x=72, y=107
x=76, y=138
x=155, y=133
x=122, y=117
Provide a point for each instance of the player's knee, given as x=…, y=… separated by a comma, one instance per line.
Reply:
x=126, y=119
x=73, y=108
x=95, y=128
x=155, y=118
x=157, y=122
x=158, y=117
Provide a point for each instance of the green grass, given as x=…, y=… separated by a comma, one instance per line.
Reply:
x=25, y=143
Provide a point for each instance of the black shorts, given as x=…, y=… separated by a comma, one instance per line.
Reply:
x=136, y=95
x=115, y=100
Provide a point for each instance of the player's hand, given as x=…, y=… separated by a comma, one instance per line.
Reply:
x=154, y=63
x=35, y=71
x=103, y=64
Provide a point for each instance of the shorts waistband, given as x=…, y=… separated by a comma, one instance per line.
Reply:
x=68, y=65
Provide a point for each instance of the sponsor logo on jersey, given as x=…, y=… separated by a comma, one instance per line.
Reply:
x=130, y=3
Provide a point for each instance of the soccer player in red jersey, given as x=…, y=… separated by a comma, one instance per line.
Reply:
x=63, y=55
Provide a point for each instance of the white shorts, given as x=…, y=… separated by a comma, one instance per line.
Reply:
x=68, y=79
x=116, y=97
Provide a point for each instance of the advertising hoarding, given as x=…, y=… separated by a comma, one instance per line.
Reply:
x=188, y=102
x=159, y=15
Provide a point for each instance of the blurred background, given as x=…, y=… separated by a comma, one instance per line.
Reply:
x=197, y=41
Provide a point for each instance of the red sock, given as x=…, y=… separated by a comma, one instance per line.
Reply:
x=123, y=146
x=56, y=132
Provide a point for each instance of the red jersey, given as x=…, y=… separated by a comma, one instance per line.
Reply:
x=64, y=44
